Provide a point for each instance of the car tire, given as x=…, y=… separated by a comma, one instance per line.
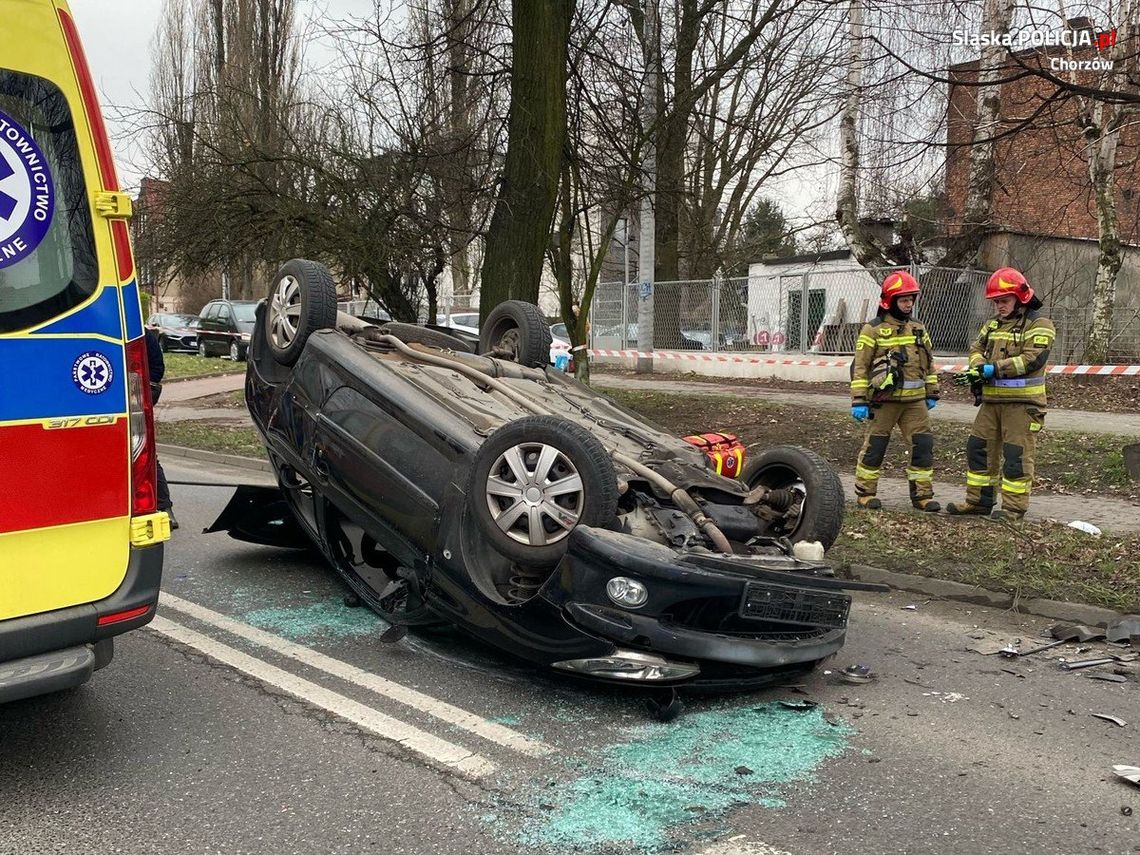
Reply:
x=302, y=300
x=519, y=327
x=203, y=351
x=413, y=334
x=505, y=517
x=791, y=467
x=237, y=354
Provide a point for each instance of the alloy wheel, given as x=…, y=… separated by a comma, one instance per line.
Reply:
x=535, y=494
x=285, y=311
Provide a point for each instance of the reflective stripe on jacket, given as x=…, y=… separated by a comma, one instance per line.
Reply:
x=1018, y=348
x=877, y=340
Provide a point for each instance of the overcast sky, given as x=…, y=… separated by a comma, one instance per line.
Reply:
x=118, y=36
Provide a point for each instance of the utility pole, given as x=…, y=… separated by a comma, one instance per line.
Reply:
x=647, y=225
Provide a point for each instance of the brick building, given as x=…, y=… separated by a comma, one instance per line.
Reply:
x=1041, y=171
x=1044, y=213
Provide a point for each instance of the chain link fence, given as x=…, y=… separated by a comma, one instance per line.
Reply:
x=821, y=312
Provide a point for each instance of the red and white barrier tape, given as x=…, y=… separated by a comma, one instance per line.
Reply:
x=689, y=356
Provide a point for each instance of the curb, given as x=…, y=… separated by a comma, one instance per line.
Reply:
x=214, y=457
x=947, y=590
x=176, y=380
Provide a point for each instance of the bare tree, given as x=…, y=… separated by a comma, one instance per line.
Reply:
x=602, y=162
x=224, y=94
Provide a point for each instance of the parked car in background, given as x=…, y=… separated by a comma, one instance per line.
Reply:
x=560, y=344
x=175, y=331
x=465, y=321
x=225, y=327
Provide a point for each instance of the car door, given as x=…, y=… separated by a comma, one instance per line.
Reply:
x=383, y=467
x=206, y=326
x=226, y=329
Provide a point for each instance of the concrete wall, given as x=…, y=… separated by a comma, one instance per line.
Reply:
x=1063, y=271
x=734, y=370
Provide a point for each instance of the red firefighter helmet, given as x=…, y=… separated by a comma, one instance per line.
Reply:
x=897, y=284
x=1006, y=282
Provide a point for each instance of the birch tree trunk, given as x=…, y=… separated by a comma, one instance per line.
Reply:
x=1102, y=123
x=868, y=251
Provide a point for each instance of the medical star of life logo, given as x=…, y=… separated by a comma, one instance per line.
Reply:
x=92, y=372
x=27, y=195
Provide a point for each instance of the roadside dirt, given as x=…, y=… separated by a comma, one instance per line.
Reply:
x=1067, y=463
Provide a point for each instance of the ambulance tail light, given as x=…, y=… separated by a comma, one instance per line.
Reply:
x=144, y=487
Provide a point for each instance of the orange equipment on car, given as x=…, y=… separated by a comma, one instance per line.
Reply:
x=724, y=450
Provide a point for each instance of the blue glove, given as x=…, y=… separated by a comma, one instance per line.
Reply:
x=988, y=371
x=931, y=403
x=860, y=412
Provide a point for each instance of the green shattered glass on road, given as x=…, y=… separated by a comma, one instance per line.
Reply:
x=691, y=770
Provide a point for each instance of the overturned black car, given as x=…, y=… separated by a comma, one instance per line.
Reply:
x=449, y=480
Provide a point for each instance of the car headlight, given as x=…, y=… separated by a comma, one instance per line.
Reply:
x=246, y=336
x=627, y=592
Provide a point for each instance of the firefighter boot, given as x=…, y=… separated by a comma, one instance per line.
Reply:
x=1005, y=515
x=928, y=505
x=871, y=503
x=961, y=508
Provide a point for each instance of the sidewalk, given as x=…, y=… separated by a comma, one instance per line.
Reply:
x=1125, y=424
x=200, y=387
x=1103, y=512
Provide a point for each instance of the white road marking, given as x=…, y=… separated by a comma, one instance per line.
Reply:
x=739, y=846
x=441, y=751
x=461, y=718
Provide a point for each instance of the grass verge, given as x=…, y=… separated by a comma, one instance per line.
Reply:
x=209, y=436
x=1035, y=559
x=182, y=366
x=1067, y=462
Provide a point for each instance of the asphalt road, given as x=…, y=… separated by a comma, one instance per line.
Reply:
x=261, y=715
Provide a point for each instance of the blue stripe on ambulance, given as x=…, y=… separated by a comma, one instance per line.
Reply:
x=30, y=389
x=130, y=294
x=101, y=317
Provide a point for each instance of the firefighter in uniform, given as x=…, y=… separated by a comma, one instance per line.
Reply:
x=893, y=382
x=1007, y=373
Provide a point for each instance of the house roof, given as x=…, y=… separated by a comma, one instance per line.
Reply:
x=809, y=258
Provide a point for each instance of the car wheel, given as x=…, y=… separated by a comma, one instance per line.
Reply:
x=202, y=351
x=413, y=334
x=302, y=300
x=534, y=480
x=517, y=329
x=235, y=352
x=811, y=479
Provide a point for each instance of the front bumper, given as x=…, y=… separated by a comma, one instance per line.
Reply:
x=187, y=341
x=59, y=649
x=726, y=615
